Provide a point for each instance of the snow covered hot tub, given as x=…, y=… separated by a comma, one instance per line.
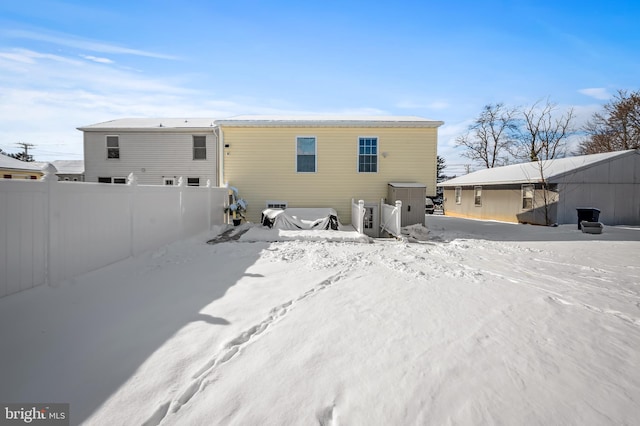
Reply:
x=301, y=218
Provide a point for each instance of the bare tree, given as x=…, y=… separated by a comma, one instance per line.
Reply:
x=617, y=128
x=543, y=136
x=544, y=133
x=491, y=137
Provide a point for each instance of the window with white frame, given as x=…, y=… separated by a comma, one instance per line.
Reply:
x=104, y=180
x=113, y=147
x=169, y=181
x=277, y=205
x=477, y=196
x=458, y=194
x=193, y=181
x=199, y=147
x=305, y=154
x=367, y=155
x=120, y=180
x=527, y=197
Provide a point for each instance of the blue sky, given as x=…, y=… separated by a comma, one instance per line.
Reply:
x=64, y=64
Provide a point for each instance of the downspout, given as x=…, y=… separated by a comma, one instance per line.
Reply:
x=221, y=156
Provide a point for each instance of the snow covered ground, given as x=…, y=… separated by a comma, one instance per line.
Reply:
x=475, y=323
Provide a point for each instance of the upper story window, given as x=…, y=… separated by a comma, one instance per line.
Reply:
x=527, y=197
x=113, y=147
x=368, y=155
x=458, y=194
x=477, y=191
x=199, y=147
x=306, y=154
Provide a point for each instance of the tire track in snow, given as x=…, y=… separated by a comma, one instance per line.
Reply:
x=231, y=350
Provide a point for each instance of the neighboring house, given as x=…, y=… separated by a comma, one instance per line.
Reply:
x=157, y=150
x=69, y=170
x=320, y=161
x=609, y=182
x=10, y=168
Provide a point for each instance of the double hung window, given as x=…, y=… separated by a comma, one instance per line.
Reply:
x=113, y=147
x=306, y=154
x=527, y=197
x=199, y=147
x=368, y=155
x=477, y=194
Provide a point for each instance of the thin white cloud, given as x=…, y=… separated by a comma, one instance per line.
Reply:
x=435, y=105
x=599, y=93
x=97, y=59
x=84, y=44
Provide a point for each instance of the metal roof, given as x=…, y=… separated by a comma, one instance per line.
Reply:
x=69, y=167
x=7, y=162
x=151, y=123
x=530, y=172
x=327, y=121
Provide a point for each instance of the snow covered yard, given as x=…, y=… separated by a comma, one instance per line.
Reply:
x=482, y=323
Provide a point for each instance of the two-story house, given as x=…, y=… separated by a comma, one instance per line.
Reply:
x=274, y=161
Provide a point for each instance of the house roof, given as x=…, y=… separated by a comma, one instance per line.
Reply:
x=9, y=163
x=150, y=123
x=530, y=172
x=69, y=167
x=327, y=121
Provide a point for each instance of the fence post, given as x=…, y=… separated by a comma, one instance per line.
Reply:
x=132, y=182
x=361, y=216
x=181, y=185
x=399, y=216
x=50, y=179
x=209, y=204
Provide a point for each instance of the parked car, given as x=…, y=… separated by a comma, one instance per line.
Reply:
x=429, y=206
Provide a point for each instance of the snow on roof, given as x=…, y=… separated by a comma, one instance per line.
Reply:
x=151, y=123
x=530, y=172
x=69, y=167
x=407, y=185
x=7, y=162
x=327, y=121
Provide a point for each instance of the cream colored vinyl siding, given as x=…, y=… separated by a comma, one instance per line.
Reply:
x=499, y=202
x=261, y=163
x=19, y=174
x=161, y=154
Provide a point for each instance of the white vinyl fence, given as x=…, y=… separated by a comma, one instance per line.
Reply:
x=51, y=231
x=390, y=218
x=357, y=215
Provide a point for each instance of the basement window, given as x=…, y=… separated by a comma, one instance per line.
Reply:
x=281, y=205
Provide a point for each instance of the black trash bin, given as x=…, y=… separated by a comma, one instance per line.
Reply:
x=589, y=214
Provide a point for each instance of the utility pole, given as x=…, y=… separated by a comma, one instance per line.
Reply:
x=467, y=168
x=25, y=150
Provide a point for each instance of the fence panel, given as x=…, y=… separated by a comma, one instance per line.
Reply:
x=391, y=218
x=52, y=231
x=22, y=240
x=357, y=215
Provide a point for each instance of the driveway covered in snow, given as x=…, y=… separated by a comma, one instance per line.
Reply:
x=482, y=323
